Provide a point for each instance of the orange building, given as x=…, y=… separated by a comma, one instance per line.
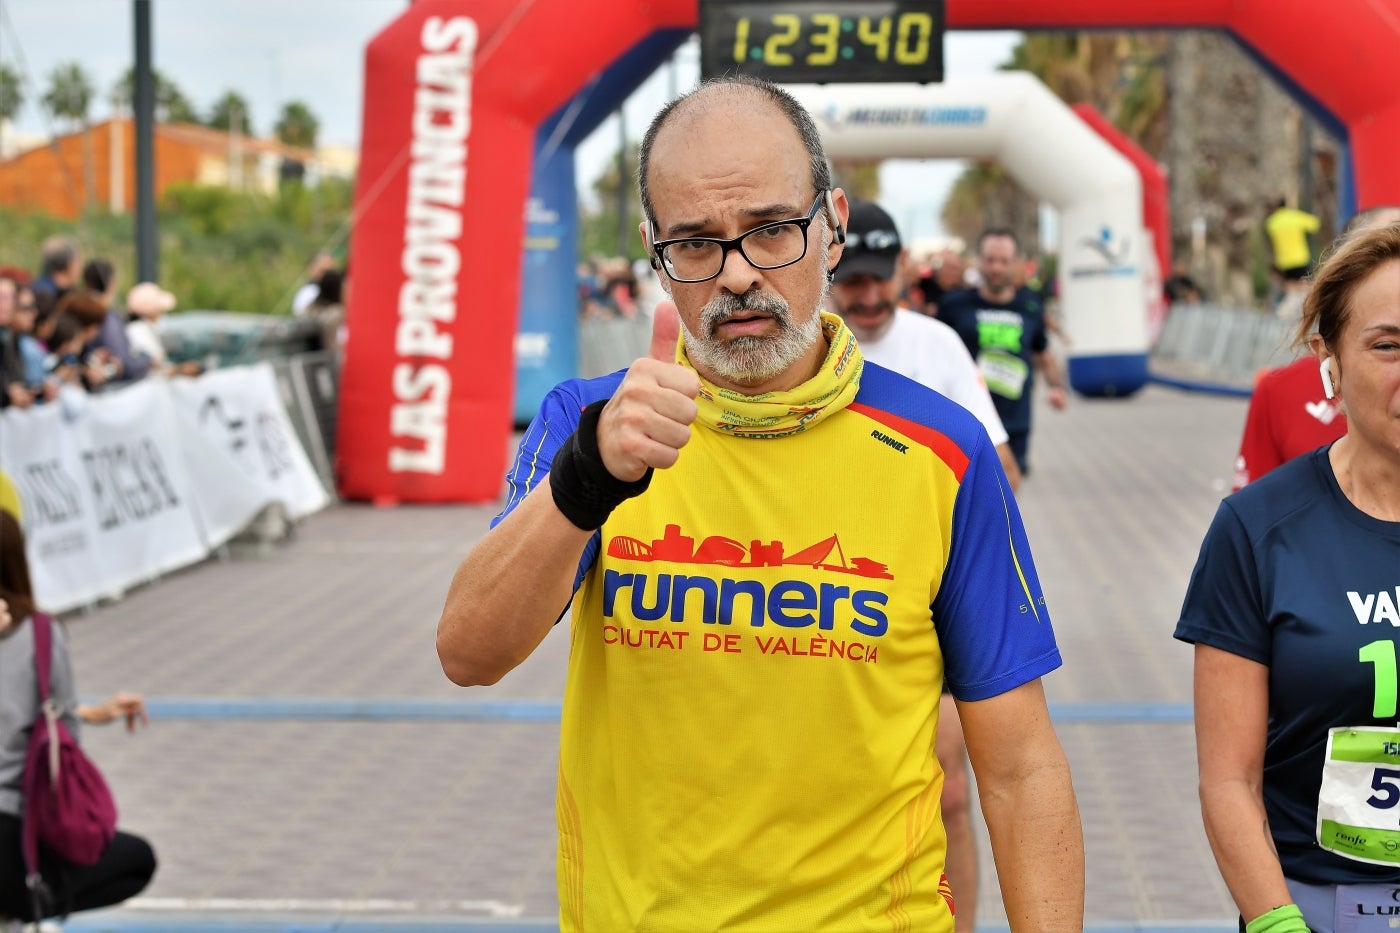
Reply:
x=55, y=177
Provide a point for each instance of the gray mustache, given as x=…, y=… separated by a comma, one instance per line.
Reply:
x=725, y=306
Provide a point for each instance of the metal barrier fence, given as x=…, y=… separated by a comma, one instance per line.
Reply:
x=1221, y=345
x=308, y=384
x=609, y=344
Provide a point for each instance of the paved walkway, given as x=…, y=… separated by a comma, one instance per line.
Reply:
x=310, y=768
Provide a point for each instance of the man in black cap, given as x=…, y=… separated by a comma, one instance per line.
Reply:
x=866, y=290
x=867, y=287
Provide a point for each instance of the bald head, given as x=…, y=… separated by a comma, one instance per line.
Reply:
x=741, y=98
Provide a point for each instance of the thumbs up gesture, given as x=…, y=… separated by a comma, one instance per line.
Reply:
x=647, y=421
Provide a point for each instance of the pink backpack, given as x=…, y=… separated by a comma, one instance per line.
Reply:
x=68, y=809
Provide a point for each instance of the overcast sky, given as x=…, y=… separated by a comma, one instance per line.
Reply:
x=275, y=51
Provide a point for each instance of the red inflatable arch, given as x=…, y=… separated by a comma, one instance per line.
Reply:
x=455, y=90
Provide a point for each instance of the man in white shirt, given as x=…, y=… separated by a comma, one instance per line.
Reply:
x=866, y=289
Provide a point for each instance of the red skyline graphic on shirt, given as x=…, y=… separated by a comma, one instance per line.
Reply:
x=677, y=548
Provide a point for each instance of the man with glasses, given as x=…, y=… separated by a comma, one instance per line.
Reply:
x=774, y=553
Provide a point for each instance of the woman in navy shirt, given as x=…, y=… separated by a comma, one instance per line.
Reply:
x=1294, y=609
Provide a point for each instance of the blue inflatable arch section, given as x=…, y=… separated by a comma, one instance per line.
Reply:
x=546, y=345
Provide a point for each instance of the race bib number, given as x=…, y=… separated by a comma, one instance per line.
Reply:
x=1358, y=807
x=1004, y=374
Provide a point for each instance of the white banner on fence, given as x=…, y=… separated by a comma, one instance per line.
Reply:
x=134, y=483
x=242, y=450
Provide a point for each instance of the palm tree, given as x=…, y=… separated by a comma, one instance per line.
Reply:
x=297, y=126
x=172, y=106
x=231, y=114
x=69, y=98
x=11, y=95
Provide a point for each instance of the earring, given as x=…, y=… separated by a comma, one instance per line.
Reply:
x=1325, y=370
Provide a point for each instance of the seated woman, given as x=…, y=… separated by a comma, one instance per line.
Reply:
x=127, y=864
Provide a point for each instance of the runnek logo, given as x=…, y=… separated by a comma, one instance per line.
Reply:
x=788, y=603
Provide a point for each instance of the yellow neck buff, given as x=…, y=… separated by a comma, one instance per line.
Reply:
x=780, y=414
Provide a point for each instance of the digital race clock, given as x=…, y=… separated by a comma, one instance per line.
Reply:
x=814, y=42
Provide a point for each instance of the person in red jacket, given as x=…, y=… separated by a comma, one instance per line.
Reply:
x=1290, y=413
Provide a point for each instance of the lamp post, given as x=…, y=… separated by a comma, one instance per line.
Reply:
x=143, y=106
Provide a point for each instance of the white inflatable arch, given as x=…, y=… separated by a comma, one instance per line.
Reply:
x=1013, y=118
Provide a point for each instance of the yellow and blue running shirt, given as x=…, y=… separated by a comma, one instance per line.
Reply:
x=758, y=646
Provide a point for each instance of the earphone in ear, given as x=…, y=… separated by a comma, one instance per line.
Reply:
x=655, y=263
x=1325, y=370
x=838, y=232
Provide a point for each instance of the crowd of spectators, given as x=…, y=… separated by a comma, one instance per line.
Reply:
x=64, y=330
x=611, y=287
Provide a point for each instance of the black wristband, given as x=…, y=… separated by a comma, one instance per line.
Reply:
x=583, y=488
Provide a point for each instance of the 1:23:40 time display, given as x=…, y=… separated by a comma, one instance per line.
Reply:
x=907, y=37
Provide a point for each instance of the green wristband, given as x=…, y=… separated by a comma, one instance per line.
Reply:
x=1285, y=919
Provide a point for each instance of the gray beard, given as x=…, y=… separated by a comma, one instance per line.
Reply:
x=751, y=360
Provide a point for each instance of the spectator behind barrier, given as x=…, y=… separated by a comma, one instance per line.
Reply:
x=31, y=350
x=127, y=864
x=145, y=304
x=13, y=391
x=94, y=368
x=100, y=279
x=328, y=309
x=60, y=266
x=321, y=263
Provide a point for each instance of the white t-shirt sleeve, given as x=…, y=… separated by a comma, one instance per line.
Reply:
x=929, y=351
x=965, y=385
x=145, y=342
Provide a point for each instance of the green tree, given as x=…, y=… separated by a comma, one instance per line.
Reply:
x=70, y=93
x=69, y=98
x=231, y=112
x=297, y=126
x=859, y=178
x=11, y=93
x=598, y=226
x=172, y=106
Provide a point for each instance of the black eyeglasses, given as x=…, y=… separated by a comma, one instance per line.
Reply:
x=767, y=246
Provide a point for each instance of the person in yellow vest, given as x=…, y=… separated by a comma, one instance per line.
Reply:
x=1288, y=230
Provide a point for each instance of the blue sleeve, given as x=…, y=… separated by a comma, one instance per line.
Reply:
x=990, y=611
x=1223, y=607
x=556, y=420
